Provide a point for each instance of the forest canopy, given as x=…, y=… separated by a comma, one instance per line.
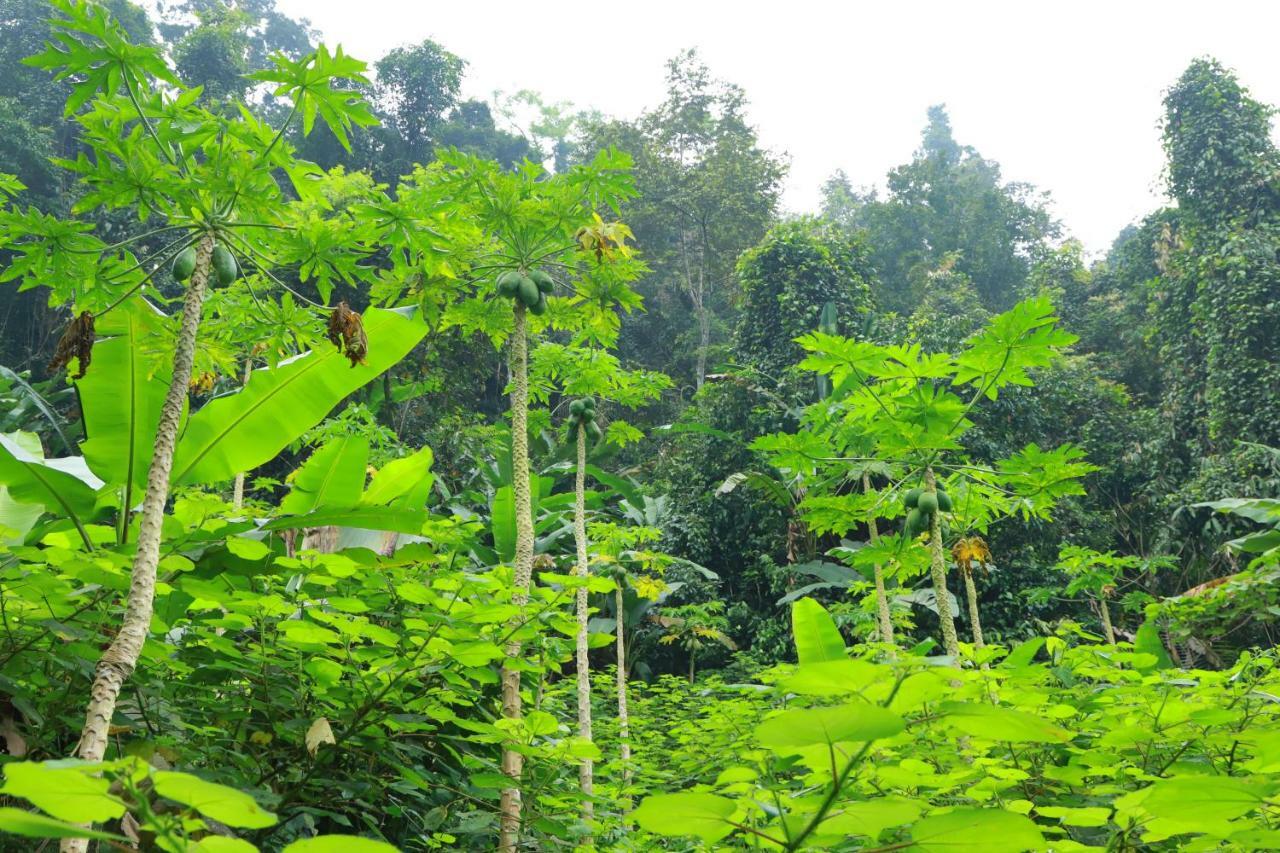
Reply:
x=383, y=469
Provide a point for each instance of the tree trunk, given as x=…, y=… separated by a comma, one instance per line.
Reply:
x=513, y=761
x=624, y=726
x=971, y=592
x=1106, y=620
x=237, y=493
x=938, y=573
x=704, y=341
x=583, y=661
x=882, y=598
x=118, y=661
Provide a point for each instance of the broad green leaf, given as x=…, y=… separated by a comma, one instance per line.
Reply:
x=324, y=671
x=835, y=678
x=477, y=653
x=1203, y=798
x=32, y=825
x=502, y=514
x=801, y=727
x=994, y=722
x=976, y=830
x=67, y=793
x=817, y=638
x=121, y=395
x=219, y=802
x=872, y=817
x=364, y=517
x=32, y=480
x=1086, y=816
x=402, y=482
x=299, y=632
x=16, y=518
x=331, y=478
x=1024, y=653
x=239, y=432
x=1148, y=641
x=704, y=816
x=221, y=844
x=339, y=844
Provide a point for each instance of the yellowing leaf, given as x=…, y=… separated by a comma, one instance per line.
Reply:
x=319, y=733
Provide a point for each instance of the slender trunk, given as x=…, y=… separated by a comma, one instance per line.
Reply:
x=237, y=493
x=583, y=661
x=624, y=726
x=513, y=761
x=704, y=341
x=118, y=661
x=971, y=592
x=693, y=657
x=882, y=598
x=1106, y=620
x=938, y=573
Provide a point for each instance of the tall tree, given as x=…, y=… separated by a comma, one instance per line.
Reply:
x=708, y=190
x=948, y=200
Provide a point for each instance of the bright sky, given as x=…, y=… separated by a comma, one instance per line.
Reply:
x=1063, y=95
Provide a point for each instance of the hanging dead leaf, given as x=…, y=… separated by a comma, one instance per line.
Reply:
x=202, y=383
x=319, y=733
x=76, y=342
x=130, y=827
x=970, y=550
x=346, y=332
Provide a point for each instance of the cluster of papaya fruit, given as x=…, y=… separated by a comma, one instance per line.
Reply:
x=583, y=413
x=532, y=289
x=223, y=263
x=921, y=506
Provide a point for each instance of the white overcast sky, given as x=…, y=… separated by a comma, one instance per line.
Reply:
x=1065, y=95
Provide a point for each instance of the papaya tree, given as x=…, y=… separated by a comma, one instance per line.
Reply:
x=534, y=232
x=583, y=373
x=901, y=407
x=1103, y=575
x=206, y=190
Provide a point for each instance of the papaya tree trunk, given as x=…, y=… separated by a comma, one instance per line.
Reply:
x=971, y=593
x=237, y=492
x=882, y=598
x=938, y=573
x=121, y=657
x=513, y=761
x=583, y=660
x=624, y=725
x=1107, y=629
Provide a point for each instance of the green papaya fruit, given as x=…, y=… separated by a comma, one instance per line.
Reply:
x=912, y=498
x=528, y=292
x=575, y=408
x=546, y=284
x=944, y=501
x=589, y=402
x=184, y=264
x=224, y=265
x=928, y=503
x=509, y=284
x=915, y=523
x=539, y=306
x=593, y=432
x=588, y=415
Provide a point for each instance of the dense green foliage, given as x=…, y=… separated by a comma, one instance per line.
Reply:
x=486, y=475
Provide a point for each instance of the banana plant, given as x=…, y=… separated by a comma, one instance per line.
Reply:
x=206, y=190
